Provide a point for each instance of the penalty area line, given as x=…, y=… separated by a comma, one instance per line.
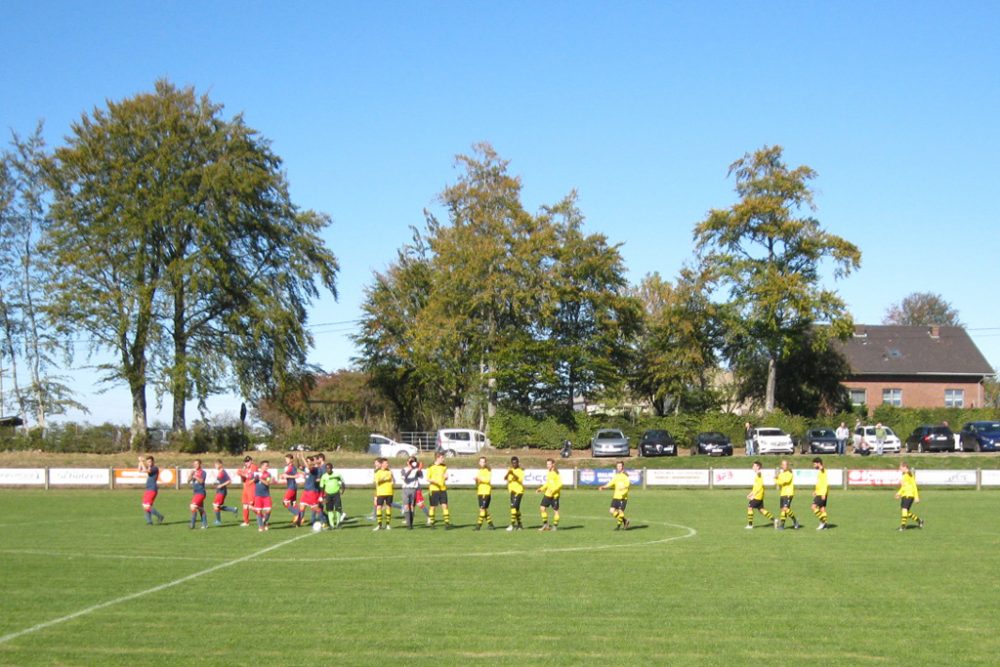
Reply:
x=149, y=591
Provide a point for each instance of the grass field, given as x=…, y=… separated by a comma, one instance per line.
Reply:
x=86, y=582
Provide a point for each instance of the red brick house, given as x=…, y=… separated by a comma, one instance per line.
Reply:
x=915, y=367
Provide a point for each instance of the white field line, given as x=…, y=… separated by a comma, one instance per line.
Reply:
x=149, y=591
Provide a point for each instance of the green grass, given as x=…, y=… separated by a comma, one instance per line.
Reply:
x=688, y=586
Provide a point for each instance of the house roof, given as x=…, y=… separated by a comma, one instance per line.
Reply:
x=914, y=350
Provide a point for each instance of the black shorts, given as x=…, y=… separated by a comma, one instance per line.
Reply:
x=785, y=501
x=383, y=501
x=333, y=502
x=756, y=504
x=906, y=503
x=819, y=501
x=619, y=503
x=550, y=502
x=515, y=500
x=439, y=498
x=484, y=502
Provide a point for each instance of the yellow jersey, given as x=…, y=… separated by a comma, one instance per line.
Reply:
x=437, y=475
x=908, y=486
x=515, y=480
x=758, y=487
x=620, y=484
x=383, y=482
x=553, y=484
x=822, y=487
x=484, y=485
x=785, y=481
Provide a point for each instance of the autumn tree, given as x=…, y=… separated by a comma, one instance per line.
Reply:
x=921, y=308
x=180, y=250
x=766, y=252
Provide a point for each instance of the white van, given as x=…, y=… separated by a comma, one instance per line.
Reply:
x=452, y=441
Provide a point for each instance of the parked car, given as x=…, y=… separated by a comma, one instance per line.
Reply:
x=712, y=443
x=380, y=445
x=864, y=438
x=657, y=442
x=820, y=441
x=452, y=441
x=980, y=437
x=609, y=442
x=928, y=438
x=770, y=440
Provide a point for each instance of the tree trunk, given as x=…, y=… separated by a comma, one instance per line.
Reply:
x=772, y=377
x=139, y=433
x=179, y=376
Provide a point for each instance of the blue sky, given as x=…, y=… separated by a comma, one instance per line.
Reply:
x=640, y=106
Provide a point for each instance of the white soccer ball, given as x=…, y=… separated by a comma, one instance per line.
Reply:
x=317, y=526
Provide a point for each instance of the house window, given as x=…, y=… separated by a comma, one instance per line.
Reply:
x=954, y=398
x=892, y=397
x=859, y=396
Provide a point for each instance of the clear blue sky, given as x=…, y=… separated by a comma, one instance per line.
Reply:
x=639, y=106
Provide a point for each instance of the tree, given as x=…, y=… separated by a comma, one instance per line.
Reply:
x=921, y=308
x=768, y=257
x=676, y=357
x=180, y=249
x=28, y=337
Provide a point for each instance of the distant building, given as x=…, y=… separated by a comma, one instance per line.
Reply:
x=915, y=367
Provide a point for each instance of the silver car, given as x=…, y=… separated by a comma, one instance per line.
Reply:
x=609, y=442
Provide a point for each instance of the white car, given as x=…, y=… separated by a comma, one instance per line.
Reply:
x=379, y=445
x=452, y=441
x=769, y=440
x=866, y=434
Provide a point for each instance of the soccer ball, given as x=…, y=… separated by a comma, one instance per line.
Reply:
x=317, y=526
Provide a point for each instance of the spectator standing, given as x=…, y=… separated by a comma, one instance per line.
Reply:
x=879, y=439
x=748, y=438
x=842, y=435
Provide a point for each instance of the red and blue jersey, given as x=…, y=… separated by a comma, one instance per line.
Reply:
x=261, y=488
x=198, y=481
x=152, y=474
x=221, y=477
x=290, y=473
x=312, y=475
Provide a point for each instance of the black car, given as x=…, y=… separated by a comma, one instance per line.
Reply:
x=820, y=441
x=931, y=439
x=712, y=443
x=657, y=443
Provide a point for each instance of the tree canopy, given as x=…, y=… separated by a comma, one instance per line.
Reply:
x=179, y=248
x=920, y=308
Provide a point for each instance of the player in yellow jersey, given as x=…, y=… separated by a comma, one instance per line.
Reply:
x=515, y=485
x=551, y=488
x=756, y=498
x=484, y=493
x=619, y=497
x=383, y=495
x=437, y=482
x=785, y=481
x=820, y=493
x=908, y=494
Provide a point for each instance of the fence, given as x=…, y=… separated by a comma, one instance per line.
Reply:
x=710, y=478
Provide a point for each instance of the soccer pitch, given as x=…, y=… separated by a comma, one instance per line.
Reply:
x=86, y=582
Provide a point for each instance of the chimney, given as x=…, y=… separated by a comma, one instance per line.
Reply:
x=935, y=331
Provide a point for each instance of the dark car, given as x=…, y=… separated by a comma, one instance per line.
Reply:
x=980, y=437
x=931, y=439
x=712, y=443
x=657, y=442
x=820, y=441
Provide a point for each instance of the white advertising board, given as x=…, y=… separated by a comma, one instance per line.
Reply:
x=79, y=476
x=946, y=477
x=989, y=477
x=873, y=477
x=22, y=476
x=657, y=477
x=210, y=477
x=136, y=477
x=743, y=477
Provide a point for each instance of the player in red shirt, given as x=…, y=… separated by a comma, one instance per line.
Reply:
x=246, y=474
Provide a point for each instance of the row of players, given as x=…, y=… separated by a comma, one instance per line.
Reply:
x=323, y=488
